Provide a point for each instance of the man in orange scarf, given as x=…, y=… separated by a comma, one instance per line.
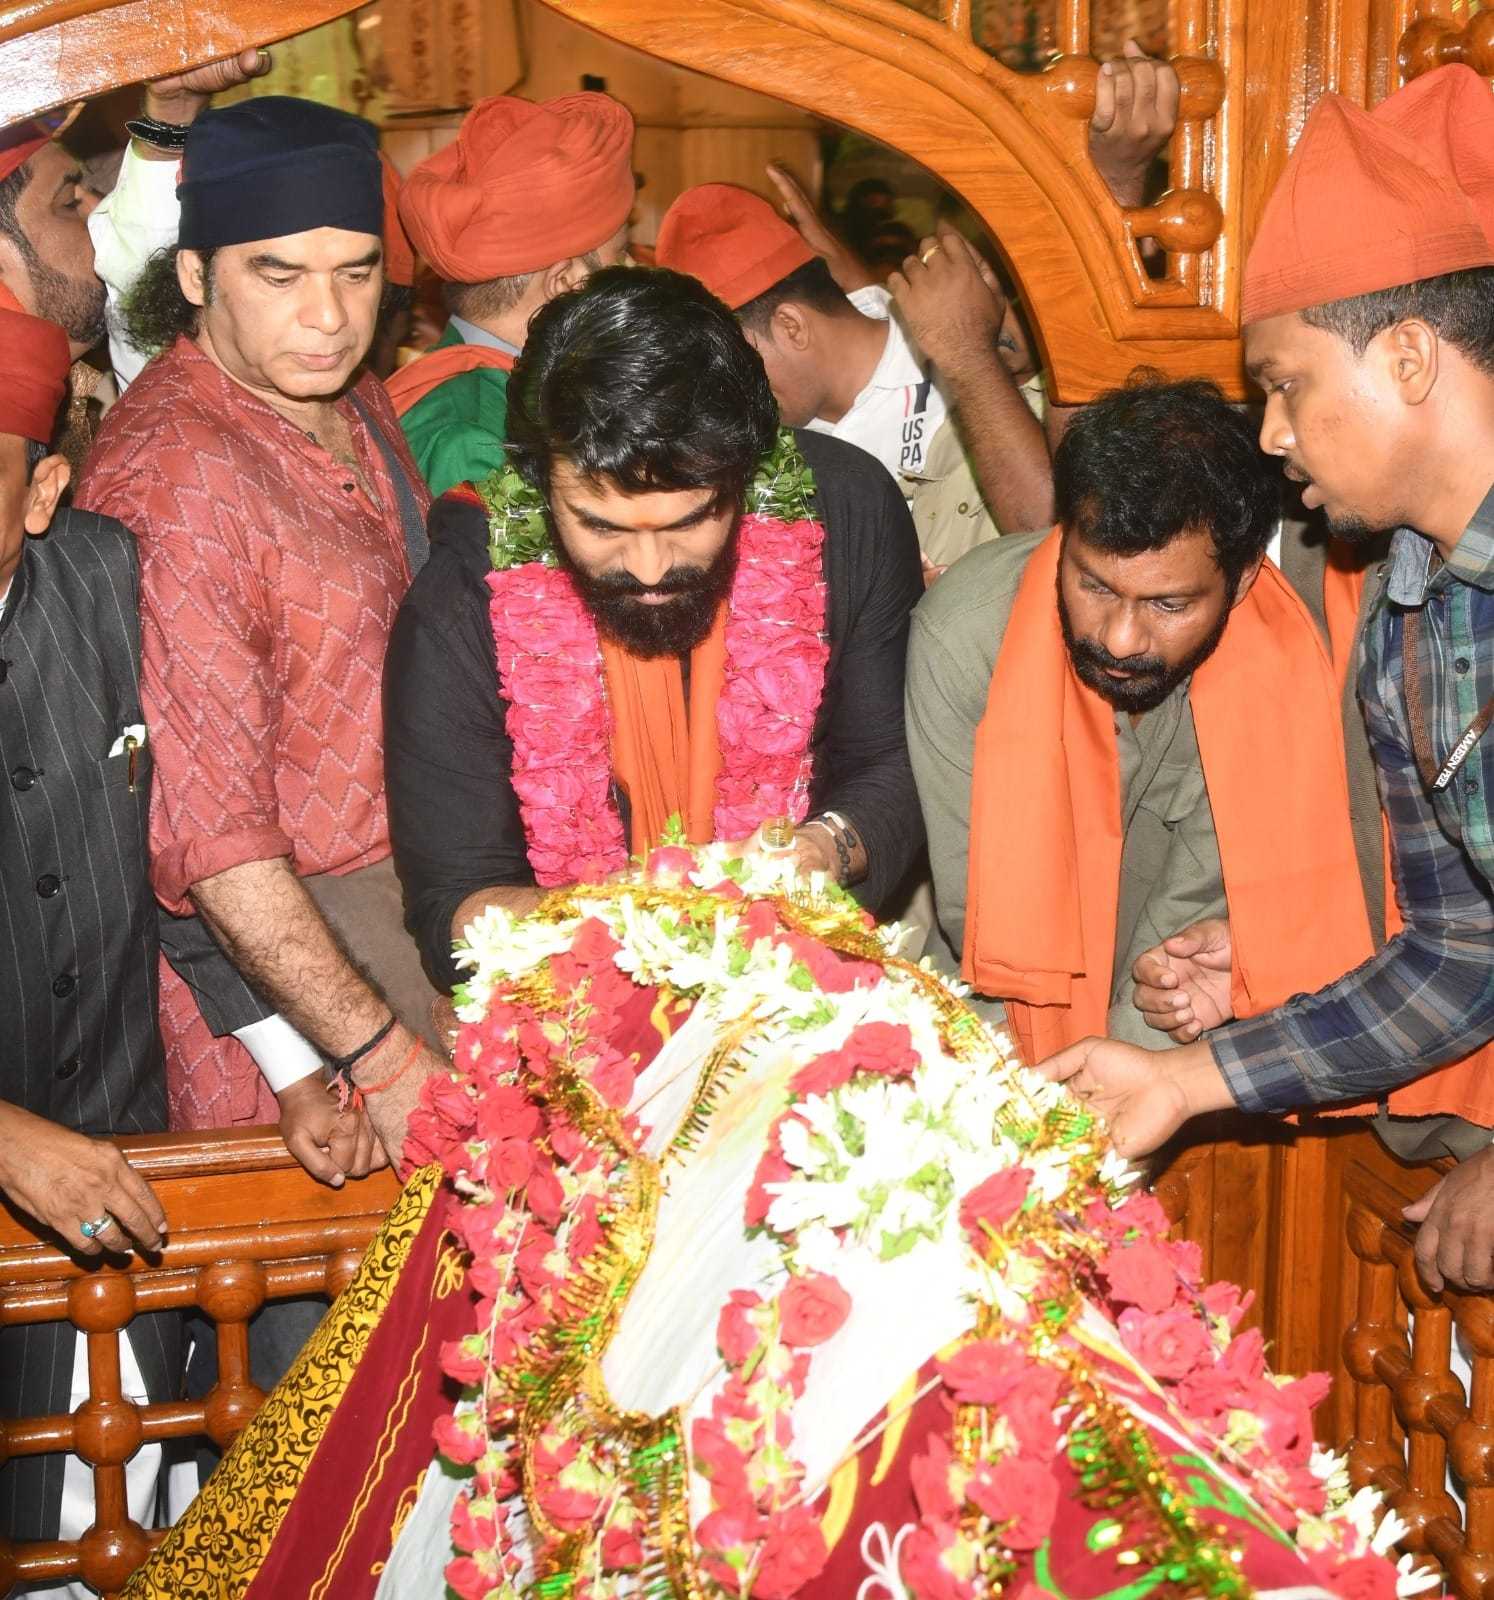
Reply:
x=1085, y=719
x=524, y=203
x=1367, y=322
x=668, y=608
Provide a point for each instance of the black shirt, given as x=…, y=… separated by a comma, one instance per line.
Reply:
x=453, y=815
x=78, y=935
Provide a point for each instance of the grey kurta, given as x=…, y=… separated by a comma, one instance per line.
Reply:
x=1170, y=872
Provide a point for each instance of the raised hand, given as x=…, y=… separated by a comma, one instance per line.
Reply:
x=846, y=267
x=180, y=97
x=1136, y=110
x=1183, y=984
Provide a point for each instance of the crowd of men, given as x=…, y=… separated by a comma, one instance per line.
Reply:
x=258, y=708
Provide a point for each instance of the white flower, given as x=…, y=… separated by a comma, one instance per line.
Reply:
x=1412, y=1579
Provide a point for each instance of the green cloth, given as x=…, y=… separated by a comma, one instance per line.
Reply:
x=456, y=432
x=1170, y=873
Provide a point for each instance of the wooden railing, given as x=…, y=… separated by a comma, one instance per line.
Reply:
x=247, y=1225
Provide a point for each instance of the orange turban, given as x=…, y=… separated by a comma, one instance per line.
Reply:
x=1373, y=200
x=732, y=240
x=522, y=187
x=399, y=255
x=34, y=361
x=19, y=144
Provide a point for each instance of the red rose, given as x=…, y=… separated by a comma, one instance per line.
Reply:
x=930, y=1474
x=771, y=1169
x=1226, y=1300
x=1170, y=1344
x=468, y=1580
x=811, y=1309
x=994, y=1203
x=612, y=1078
x=621, y=1549
x=885, y=1047
x=509, y=1165
x=1366, y=1577
x=460, y=1439
x=795, y=1554
x=670, y=863
x=758, y=921
x=1028, y=1410
x=593, y=944
x=1140, y=1275
x=737, y=1336
x=1019, y=1496
x=459, y=1363
x=545, y=1196
x=823, y=1075
x=922, y=1564
x=506, y=1112
x=470, y=1530
x=984, y=1373
x=732, y=1527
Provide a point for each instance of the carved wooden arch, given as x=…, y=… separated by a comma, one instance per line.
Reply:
x=53, y=52
x=1014, y=145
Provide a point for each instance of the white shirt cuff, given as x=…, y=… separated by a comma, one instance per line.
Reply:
x=281, y=1054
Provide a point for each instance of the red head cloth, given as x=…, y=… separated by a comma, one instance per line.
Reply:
x=1363, y=205
x=399, y=254
x=732, y=240
x=34, y=361
x=522, y=187
x=20, y=143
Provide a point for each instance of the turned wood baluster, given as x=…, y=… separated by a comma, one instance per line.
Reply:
x=1428, y=1401
x=1373, y=1340
x=1434, y=40
x=1073, y=27
x=956, y=17
x=106, y=1430
x=230, y=1292
x=1471, y=1447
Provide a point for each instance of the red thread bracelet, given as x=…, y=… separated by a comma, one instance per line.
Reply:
x=367, y=1089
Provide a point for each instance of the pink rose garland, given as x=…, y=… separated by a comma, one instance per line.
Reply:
x=550, y=674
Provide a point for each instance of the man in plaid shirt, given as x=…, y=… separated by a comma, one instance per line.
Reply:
x=1369, y=312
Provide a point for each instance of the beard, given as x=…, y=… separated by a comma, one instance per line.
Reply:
x=671, y=628
x=76, y=305
x=1151, y=680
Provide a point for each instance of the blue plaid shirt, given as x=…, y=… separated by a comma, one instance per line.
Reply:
x=1427, y=997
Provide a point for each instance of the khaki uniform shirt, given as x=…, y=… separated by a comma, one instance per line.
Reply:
x=1170, y=873
x=948, y=512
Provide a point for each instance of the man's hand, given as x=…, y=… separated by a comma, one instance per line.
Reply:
x=1182, y=984
x=951, y=302
x=1455, y=1236
x=1136, y=110
x=846, y=267
x=65, y=1179
x=1144, y=1096
x=391, y=1078
x=180, y=97
x=333, y=1145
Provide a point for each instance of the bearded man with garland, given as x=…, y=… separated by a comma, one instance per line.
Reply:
x=666, y=608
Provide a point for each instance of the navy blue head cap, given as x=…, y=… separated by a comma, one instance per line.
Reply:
x=273, y=165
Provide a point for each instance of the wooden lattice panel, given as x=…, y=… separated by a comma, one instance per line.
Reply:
x=247, y=1225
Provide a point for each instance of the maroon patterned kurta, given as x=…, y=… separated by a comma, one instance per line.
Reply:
x=269, y=583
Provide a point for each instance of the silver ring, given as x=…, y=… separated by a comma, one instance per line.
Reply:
x=91, y=1230
x=932, y=250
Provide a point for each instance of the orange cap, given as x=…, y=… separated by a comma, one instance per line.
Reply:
x=732, y=240
x=522, y=186
x=19, y=144
x=399, y=253
x=34, y=361
x=1363, y=204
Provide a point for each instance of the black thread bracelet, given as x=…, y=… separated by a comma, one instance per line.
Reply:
x=157, y=134
x=340, y=1065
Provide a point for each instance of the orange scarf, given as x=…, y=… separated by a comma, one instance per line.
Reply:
x=414, y=381
x=1463, y=1088
x=1045, y=826
x=665, y=762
